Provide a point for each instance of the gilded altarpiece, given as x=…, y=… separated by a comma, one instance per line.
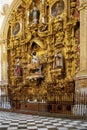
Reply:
x=42, y=51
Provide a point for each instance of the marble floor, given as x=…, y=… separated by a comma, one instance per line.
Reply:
x=17, y=121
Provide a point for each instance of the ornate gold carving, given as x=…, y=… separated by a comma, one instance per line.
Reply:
x=52, y=38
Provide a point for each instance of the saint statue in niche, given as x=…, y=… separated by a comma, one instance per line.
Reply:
x=17, y=69
x=34, y=14
x=57, y=8
x=58, y=61
x=35, y=63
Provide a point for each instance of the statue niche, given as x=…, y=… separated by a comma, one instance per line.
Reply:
x=34, y=66
x=35, y=63
x=34, y=14
x=57, y=66
x=58, y=61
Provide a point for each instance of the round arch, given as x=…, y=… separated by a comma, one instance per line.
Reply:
x=5, y=24
x=38, y=42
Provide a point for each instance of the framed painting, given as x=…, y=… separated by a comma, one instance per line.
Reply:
x=57, y=8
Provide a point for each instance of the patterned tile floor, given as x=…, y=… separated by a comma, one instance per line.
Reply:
x=16, y=121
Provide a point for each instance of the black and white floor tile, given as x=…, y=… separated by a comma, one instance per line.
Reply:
x=15, y=121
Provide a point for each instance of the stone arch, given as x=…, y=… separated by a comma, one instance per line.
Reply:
x=5, y=25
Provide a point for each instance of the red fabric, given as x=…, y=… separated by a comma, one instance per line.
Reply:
x=17, y=70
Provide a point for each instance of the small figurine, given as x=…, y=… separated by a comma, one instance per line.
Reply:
x=57, y=61
x=34, y=13
x=18, y=68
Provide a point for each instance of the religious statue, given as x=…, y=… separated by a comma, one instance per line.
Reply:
x=34, y=13
x=17, y=69
x=57, y=61
x=35, y=63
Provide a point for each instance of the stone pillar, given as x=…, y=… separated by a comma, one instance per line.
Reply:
x=83, y=40
x=81, y=76
x=4, y=63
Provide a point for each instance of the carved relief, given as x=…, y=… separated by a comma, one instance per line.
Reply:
x=43, y=27
x=47, y=51
x=59, y=37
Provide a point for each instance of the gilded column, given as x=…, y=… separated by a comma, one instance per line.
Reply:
x=43, y=11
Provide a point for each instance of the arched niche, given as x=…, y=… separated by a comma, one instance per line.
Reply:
x=38, y=42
